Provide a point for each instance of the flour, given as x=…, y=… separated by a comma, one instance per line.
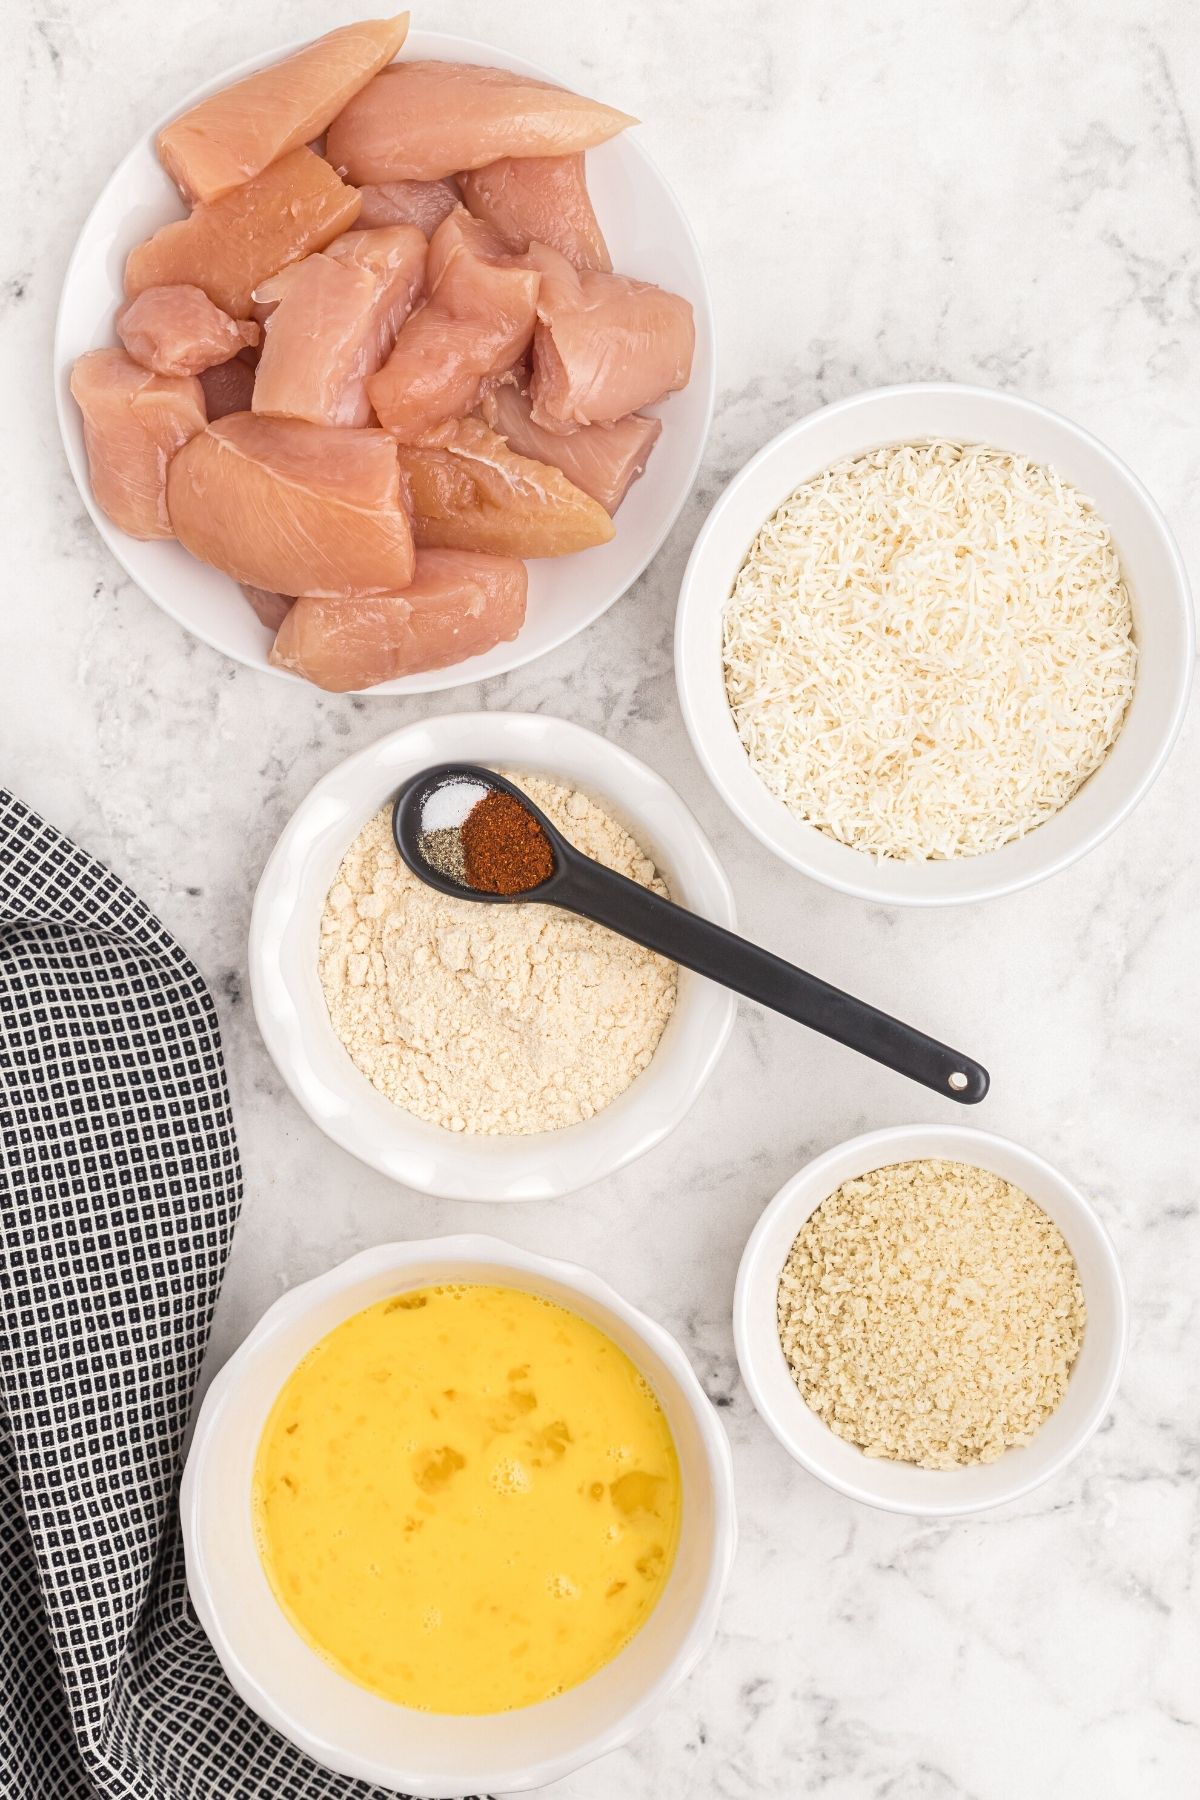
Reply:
x=491, y=1019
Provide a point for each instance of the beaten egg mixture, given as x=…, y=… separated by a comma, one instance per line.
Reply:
x=467, y=1498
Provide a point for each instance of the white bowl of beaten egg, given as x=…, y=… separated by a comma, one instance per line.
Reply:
x=370, y=1355
x=931, y=1319
x=933, y=644
x=473, y=1051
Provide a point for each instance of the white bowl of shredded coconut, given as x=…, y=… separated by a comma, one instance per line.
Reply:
x=485, y=1052
x=933, y=643
x=931, y=1319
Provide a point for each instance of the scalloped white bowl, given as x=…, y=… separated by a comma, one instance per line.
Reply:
x=294, y=1019
x=1163, y=622
x=902, y=1487
x=649, y=237
x=356, y=1732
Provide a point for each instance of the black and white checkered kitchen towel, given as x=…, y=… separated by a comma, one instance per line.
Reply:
x=119, y=1189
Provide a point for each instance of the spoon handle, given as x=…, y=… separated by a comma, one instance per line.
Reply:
x=597, y=893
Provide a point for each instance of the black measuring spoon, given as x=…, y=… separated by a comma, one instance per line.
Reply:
x=582, y=886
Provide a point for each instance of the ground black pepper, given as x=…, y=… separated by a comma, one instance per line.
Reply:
x=443, y=851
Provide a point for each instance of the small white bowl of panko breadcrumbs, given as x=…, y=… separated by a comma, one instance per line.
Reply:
x=931, y=1319
x=482, y=1052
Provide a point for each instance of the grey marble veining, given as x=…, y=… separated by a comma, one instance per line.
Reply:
x=1004, y=193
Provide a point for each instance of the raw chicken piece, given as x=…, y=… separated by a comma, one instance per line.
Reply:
x=232, y=136
x=293, y=507
x=469, y=491
x=229, y=246
x=178, y=331
x=421, y=203
x=133, y=423
x=317, y=335
x=334, y=321
x=605, y=345
x=383, y=250
x=229, y=388
x=542, y=198
x=458, y=604
x=261, y=310
x=422, y=120
x=395, y=255
x=272, y=609
x=518, y=376
x=478, y=319
x=603, y=460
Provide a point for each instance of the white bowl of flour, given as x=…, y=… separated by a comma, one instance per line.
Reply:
x=492, y=1086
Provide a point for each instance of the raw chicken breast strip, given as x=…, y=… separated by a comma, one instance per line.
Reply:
x=478, y=319
x=603, y=460
x=292, y=507
x=133, y=424
x=538, y=198
x=605, y=345
x=232, y=136
x=421, y=203
x=422, y=120
x=178, y=331
x=468, y=491
x=334, y=322
x=458, y=604
x=231, y=245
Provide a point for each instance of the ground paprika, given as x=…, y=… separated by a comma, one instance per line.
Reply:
x=505, y=850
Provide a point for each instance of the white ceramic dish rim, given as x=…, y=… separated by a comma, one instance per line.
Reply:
x=437, y=1164
x=471, y=1247
x=451, y=47
x=817, y=1179
x=781, y=837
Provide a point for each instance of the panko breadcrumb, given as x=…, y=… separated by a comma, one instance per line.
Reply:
x=931, y=1313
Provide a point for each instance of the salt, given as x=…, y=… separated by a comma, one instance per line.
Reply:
x=447, y=806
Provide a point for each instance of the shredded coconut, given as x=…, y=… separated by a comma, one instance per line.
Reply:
x=491, y=1019
x=930, y=1312
x=929, y=648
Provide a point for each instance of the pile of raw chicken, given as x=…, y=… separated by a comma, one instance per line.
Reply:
x=370, y=428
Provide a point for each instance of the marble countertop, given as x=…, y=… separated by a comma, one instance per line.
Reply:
x=1004, y=193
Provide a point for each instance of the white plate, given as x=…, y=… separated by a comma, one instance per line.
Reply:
x=294, y=1019
x=356, y=1732
x=902, y=1487
x=649, y=237
x=1163, y=622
